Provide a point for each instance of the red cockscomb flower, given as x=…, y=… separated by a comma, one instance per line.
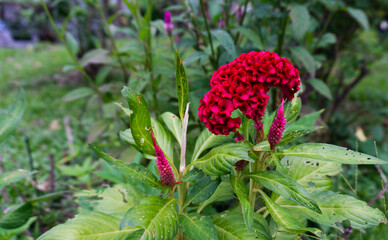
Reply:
x=166, y=174
x=243, y=84
x=275, y=133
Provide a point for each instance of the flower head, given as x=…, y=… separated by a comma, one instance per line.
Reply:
x=275, y=133
x=166, y=175
x=168, y=26
x=243, y=84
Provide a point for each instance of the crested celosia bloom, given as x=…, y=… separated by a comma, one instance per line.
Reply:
x=168, y=26
x=275, y=133
x=166, y=175
x=243, y=84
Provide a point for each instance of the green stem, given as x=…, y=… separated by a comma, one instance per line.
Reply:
x=72, y=55
x=283, y=25
x=114, y=46
x=208, y=33
x=324, y=30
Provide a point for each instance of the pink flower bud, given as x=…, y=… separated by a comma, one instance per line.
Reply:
x=221, y=24
x=276, y=131
x=166, y=175
x=168, y=26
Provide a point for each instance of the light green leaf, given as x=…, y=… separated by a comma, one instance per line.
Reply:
x=95, y=56
x=72, y=43
x=134, y=171
x=310, y=173
x=157, y=216
x=207, y=140
x=226, y=41
x=17, y=216
x=195, y=57
x=285, y=187
x=127, y=137
x=283, y=217
x=197, y=227
x=300, y=19
x=240, y=190
x=360, y=16
x=292, y=110
x=92, y=226
x=164, y=139
x=231, y=226
x=140, y=121
x=139, y=81
x=201, y=191
x=320, y=87
x=13, y=176
x=220, y=160
x=300, y=53
x=332, y=153
x=77, y=93
x=223, y=192
x=174, y=124
x=251, y=35
x=337, y=208
x=182, y=86
x=11, y=116
x=327, y=39
x=306, y=122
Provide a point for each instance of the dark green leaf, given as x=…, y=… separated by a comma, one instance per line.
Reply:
x=300, y=53
x=223, y=192
x=320, y=87
x=182, y=85
x=252, y=36
x=201, y=191
x=197, y=227
x=226, y=41
x=193, y=175
x=360, y=16
x=242, y=194
x=300, y=18
x=17, y=216
x=332, y=153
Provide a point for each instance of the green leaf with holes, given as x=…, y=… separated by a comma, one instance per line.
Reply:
x=220, y=160
x=285, y=187
x=158, y=217
x=140, y=120
x=182, y=85
x=134, y=171
x=197, y=227
x=332, y=153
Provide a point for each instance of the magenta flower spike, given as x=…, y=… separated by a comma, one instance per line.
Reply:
x=168, y=26
x=277, y=128
x=166, y=175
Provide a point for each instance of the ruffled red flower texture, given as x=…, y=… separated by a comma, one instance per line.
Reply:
x=243, y=84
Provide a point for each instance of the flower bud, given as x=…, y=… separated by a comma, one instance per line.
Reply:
x=166, y=175
x=168, y=26
x=275, y=133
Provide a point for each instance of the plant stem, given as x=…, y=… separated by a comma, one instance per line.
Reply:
x=213, y=58
x=324, y=30
x=283, y=25
x=114, y=46
x=72, y=55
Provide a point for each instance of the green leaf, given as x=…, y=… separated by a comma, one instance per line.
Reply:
x=164, y=139
x=77, y=93
x=17, y=216
x=251, y=35
x=300, y=18
x=95, y=56
x=11, y=116
x=174, y=124
x=292, y=110
x=305, y=123
x=220, y=160
x=327, y=39
x=182, y=85
x=139, y=81
x=242, y=194
x=337, y=208
x=127, y=137
x=193, y=175
x=9, y=233
x=360, y=16
x=207, y=140
x=71, y=43
x=140, y=121
x=300, y=53
x=332, y=153
x=285, y=187
x=92, y=226
x=224, y=192
x=283, y=217
x=320, y=87
x=201, y=191
x=13, y=176
x=226, y=41
x=310, y=173
x=197, y=227
x=157, y=216
x=195, y=57
x=134, y=171
x=231, y=226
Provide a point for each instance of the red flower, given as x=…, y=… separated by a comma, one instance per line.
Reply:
x=243, y=84
x=275, y=133
x=166, y=175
